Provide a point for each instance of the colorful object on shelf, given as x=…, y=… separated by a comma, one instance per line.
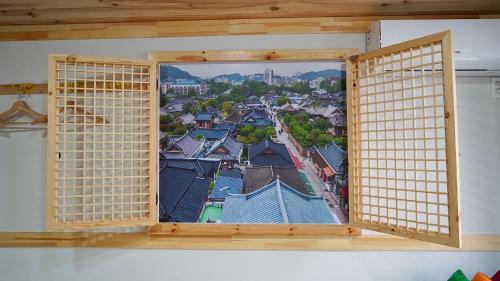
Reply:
x=496, y=277
x=458, y=276
x=480, y=277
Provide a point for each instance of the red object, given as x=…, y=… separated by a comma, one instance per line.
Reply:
x=296, y=161
x=480, y=277
x=344, y=192
x=496, y=277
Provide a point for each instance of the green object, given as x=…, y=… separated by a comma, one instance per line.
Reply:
x=211, y=212
x=458, y=276
x=308, y=184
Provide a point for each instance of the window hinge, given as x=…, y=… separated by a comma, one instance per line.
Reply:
x=156, y=198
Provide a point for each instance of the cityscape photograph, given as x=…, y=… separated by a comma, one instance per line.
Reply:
x=257, y=143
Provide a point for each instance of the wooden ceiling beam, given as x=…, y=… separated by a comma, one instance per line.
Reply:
x=319, y=25
x=30, y=12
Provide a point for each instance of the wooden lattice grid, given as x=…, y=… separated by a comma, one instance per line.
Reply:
x=402, y=165
x=102, y=142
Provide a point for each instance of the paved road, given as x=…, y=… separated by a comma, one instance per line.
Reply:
x=317, y=184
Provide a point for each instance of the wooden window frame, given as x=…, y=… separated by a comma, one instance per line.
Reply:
x=218, y=56
x=53, y=116
x=308, y=231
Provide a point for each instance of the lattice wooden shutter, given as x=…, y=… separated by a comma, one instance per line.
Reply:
x=102, y=142
x=402, y=140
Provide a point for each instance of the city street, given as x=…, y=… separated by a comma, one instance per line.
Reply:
x=317, y=184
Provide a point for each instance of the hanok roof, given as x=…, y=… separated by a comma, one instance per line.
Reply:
x=255, y=117
x=226, y=149
x=204, y=116
x=231, y=172
x=184, y=146
x=203, y=167
x=226, y=126
x=226, y=185
x=267, y=153
x=173, y=107
x=184, y=187
x=334, y=156
x=235, y=117
x=325, y=111
x=276, y=203
x=257, y=177
x=318, y=160
x=187, y=118
x=209, y=133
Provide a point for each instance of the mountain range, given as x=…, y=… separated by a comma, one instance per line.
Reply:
x=171, y=73
x=311, y=75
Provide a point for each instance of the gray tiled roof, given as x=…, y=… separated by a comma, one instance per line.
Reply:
x=204, y=116
x=226, y=185
x=257, y=177
x=268, y=152
x=334, y=156
x=232, y=148
x=209, y=134
x=276, y=203
x=186, y=145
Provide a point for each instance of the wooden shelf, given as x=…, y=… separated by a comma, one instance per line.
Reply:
x=238, y=242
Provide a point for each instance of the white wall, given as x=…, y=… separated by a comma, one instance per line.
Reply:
x=22, y=187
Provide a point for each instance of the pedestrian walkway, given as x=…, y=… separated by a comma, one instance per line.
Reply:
x=296, y=161
x=305, y=166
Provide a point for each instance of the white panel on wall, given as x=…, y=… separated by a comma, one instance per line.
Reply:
x=26, y=61
x=476, y=42
x=126, y=264
x=478, y=141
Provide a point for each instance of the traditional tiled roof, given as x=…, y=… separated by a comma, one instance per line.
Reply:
x=267, y=153
x=257, y=177
x=173, y=107
x=184, y=187
x=325, y=111
x=208, y=133
x=334, y=156
x=226, y=149
x=184, y=146
x=226, y=126
x=204, y=116
x=234, y=117
x=231, y=172
x=255, y=117
x=276, y=203
x=187, y=118
x=318, y=159
x=203, y=167
x=224, y=186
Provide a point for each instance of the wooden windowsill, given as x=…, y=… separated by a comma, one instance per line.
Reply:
x=237, y=242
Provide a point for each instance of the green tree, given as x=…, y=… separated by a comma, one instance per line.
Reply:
x=246, y=130
x=165, y=119
x=282, y=100
x=202, y=105
x=324, y=139
x=270, y=131
x=321, y=124
x=259, y=134
x=187, y=107
x=213, y=103
x=164, y=100
x=227, y=107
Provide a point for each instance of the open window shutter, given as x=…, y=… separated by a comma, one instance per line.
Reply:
x=403, y=169
x=102, y=142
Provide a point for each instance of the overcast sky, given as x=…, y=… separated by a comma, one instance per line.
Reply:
x=208, y=70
